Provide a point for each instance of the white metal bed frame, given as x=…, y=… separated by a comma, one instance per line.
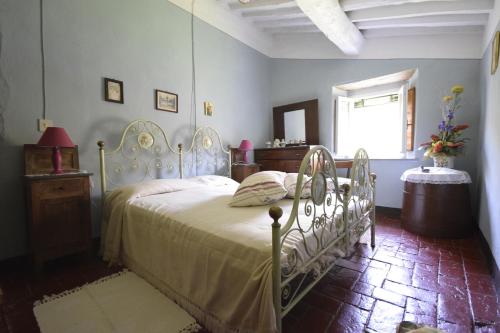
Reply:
x=292, y=283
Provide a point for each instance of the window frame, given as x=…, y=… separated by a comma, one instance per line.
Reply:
x=403, y=92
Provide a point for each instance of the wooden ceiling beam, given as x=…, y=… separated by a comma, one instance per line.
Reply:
x=351, y=5
x=423, y=9
x=272, y=12
x=293, y=30
x=260, y=4
x=280, y=17
x=288, y=22
x=331, y=19
x=426, y=21
x=421, y=31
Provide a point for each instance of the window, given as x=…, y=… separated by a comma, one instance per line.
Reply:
x=380, y=122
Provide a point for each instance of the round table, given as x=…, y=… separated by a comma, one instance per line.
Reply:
x=437, y=203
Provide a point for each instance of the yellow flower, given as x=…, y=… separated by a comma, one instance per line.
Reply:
x=447, y=99
x=457, y=89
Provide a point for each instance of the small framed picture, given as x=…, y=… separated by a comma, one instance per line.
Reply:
x=208, y=108
x=165, y=101
x=113, y=90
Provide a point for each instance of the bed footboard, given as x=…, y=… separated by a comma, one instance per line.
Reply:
x=327, y=219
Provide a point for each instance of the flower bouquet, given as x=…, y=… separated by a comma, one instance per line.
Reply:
x=448, y=142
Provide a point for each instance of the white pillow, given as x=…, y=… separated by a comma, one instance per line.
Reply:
x=259, y=189
x=291, y=185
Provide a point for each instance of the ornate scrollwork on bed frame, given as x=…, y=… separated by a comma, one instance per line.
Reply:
x=332, y=217
x=207, y=155
x=144, y=152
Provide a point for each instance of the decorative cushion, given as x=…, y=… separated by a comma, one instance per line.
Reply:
x=259, y=189
x=291, y=185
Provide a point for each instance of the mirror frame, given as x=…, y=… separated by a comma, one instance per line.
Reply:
x=311, y=120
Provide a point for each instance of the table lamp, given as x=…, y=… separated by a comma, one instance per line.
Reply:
x=245, y=146
x=56, y=137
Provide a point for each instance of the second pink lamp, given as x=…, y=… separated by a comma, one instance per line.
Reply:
x=245, y=146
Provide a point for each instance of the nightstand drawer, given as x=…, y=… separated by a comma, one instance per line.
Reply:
x=242, y=171
x=58, y=188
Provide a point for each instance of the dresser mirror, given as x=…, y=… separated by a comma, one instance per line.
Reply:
x=297, y=121
x=295, y=129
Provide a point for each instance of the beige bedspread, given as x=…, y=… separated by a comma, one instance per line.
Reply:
x=213, y=259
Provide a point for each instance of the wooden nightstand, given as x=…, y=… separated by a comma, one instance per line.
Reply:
x=242, y=171
x=58, y=207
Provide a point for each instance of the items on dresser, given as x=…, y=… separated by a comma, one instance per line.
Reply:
x=58, y=205
x=56, y=138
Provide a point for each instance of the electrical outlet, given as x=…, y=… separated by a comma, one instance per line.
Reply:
x=208, y=108
x=44, y=123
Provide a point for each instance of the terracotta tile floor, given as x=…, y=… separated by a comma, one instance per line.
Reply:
x=442, y=283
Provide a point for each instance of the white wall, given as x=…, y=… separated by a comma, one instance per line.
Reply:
x=488, y=166
x=298, y=80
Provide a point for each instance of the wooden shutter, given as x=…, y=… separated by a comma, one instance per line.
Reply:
x=410, y=120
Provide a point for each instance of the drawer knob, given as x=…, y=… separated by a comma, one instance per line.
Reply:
x=60, y=188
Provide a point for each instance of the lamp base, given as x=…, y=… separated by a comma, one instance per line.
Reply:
x=245, y=157
x=57, y=161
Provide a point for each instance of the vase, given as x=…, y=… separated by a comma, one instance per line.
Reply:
x=444, y=161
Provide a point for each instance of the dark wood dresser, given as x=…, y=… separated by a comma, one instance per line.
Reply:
x=58, y=206
x=286, y=159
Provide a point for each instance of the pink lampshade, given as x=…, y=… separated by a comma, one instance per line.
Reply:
x=55, y=137
x=246, y=145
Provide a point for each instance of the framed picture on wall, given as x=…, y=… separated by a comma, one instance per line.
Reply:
x=113, y=90
x=165, y=101
x=494, y=52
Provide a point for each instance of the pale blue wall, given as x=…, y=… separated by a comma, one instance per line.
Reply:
x=147, y=45
x=489, y=156
x=144, y=43
x=296, y=80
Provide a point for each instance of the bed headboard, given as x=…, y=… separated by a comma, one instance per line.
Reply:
x=206, y=154
x=144, y=153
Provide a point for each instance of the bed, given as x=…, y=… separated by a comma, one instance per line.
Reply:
x=235, y=269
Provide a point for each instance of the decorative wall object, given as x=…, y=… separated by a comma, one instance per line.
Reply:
x=113, y=90
x=208, y=108
x=494, y=52
x=165, y=101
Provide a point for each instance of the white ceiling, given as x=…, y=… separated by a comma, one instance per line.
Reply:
x=386, y=23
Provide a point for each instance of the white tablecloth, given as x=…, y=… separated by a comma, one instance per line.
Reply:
x=436, y=176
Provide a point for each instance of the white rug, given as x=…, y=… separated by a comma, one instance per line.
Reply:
x=122, y=302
